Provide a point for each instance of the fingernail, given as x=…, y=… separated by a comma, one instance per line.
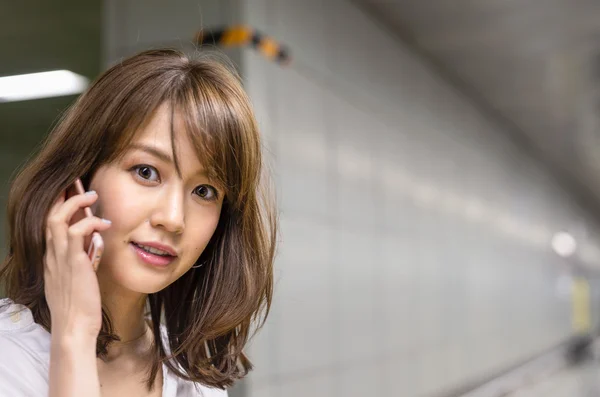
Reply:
x=106, y=221
x=91, y=192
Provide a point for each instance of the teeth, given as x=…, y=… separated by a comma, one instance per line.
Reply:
x=153, y=250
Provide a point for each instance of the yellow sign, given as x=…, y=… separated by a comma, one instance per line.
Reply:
x=580, y=301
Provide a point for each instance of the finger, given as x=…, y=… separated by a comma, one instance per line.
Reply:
x=58, y=221
x=49, y=248
x=49, y=261
x=74, y=204
x=56, y=232
x=87, y=226
x=49, y=265
x=80, y=230
x=49, y=255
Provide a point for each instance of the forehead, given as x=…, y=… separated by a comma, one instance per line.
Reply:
x=166, y=132
x=158, y=128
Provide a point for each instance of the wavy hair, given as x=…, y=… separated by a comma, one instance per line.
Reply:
x=210, y=312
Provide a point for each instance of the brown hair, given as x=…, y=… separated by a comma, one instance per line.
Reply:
x=210, y=311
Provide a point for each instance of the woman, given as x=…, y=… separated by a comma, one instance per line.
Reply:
x=169, y=151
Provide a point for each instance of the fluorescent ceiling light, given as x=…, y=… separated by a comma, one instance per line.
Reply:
x=41, y=85
x=564, y=244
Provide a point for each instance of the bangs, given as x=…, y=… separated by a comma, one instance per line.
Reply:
x=215, y=124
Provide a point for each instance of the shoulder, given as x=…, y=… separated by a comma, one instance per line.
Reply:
x=14, y=317
x=24, y=351
x=18, y=332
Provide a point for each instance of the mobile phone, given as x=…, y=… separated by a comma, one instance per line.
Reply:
x=94, y=245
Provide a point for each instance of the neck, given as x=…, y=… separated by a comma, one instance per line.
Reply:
x=126, y=312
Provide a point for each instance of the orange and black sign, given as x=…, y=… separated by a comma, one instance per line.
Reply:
x=239, y=36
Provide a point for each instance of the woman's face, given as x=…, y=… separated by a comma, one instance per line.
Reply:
x=152, y=207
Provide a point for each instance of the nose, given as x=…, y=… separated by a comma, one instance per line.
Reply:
x=169, y=211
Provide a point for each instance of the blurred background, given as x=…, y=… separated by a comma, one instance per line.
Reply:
x=437, y=167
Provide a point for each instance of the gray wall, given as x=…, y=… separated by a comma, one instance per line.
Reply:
x=415, y=249
x=131, y=26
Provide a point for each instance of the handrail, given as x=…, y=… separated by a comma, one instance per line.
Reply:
x=523, y=373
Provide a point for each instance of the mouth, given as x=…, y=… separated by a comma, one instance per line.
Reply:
x=153, y=255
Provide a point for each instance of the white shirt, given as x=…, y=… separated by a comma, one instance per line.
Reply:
x=25, y=359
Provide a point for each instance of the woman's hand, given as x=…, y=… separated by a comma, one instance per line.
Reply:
x=70, y=282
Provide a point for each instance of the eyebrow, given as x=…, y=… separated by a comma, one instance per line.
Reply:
x=164, y=156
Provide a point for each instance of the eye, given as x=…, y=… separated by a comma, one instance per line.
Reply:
x=146, y=172
x=206, y=192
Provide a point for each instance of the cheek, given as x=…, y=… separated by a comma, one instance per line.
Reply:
x=117, y=206
x=201, y=233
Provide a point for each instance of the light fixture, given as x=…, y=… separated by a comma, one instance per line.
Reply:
x=41, y=85
x=564, y=244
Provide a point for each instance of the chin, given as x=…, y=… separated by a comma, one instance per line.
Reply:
x=135, y=276
x=141, y=283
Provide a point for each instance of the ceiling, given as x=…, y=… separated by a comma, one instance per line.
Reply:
x=533, y=64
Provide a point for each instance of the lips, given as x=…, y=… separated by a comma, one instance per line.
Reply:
x=154, y=254
x=156, y=248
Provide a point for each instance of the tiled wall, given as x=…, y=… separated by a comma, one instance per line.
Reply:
x=415, y=248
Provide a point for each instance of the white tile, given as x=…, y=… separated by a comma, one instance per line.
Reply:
x=258, y=83
x=142, y=18
x=262, y=352
x=359, y=381
x=354, y=53
x=315, y=384
x=305, y=329
x=256, y=14
x=353, y=153
x=306, y=335
x=299, y=113
x=431, y=369
x=305, y=255
x=355, y=293
x=301, y=146
x=263, y=389
x=301, y=26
